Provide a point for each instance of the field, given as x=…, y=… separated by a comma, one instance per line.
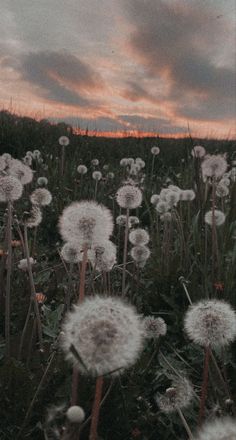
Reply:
x=177, y=370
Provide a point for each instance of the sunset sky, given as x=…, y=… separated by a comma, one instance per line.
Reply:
x=121, y=65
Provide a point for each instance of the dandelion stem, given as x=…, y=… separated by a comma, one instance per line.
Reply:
x=185, y=423
x=204, y=384
x=8, y=285
x=125, y=251
x=96, y=408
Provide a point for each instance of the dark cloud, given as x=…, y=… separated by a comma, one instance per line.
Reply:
x=59, y=76
x=181, y=41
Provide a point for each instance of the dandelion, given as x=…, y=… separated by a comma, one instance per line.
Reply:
x=7, y=157
x=70, y=253
x=121, y=220
x=172, y=198
x=10, y=189
x=111, y=175
x=103, y=255
x=162, y=207
x=42, y=181
x=85, y=222
x=95, y=162
x=219, y=217
x=97, y=175
x=155, y=151
x=105, y=167
x=178, y=396
x=218, y=429
x=63, y=141
x=140, y=162
x=154, y=327
x=139, y=237
x=2, y=163
x=166, y=217
x=22, y=265
x=41, y=197
x=222, y=190
x=155, y=199
x=35, y=217
x=82, y=169
x=27, y=160
x=75, y=414
x=36, y=154
x=211, y=322
x=140, y=254
x=129, y=197
x=124, y=162
x=198, y=151
x=187, y=195
x=20, y=171
x=106, y=333
x=133, y=220
x=213, y=166
x=130, y=161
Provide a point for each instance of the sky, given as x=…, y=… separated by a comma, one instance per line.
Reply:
x=115, y=66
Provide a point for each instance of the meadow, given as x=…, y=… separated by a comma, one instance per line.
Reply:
x=148, y=256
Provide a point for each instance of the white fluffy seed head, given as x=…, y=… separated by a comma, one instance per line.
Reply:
x=213, y=166
x=27, y=160
x=97, y=175
x=155, y=199
x=75, y=414
x=172, y=197
x=35, y=217
x=219, y=217
x=20, y=171
x=42, y=181
x=111, y=175
x=64, y=141
x=162, y=207
x=154, y=327
x=140, y=162
x=22, y=265
x=82, y=169
x=70, y=253
x=106, y=333
x=124, y=162
x=95, y=162
x=140, y=254
x=85, y=222
x=41, y=197
x=222, y=190
x=187, y=195
x=218, y=429
x=102, y=255
x=133, y=220
x=139, y=237
x=198, y=151
x=10, y=188
x=179, y=395
x=129, y=197
x=155, y=151
x=2, y=163
x=211, y=322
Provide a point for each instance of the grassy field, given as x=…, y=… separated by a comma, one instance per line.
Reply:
x=191, y=260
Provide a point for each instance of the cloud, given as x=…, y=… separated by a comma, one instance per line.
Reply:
x=58, y=76
x=182, y=43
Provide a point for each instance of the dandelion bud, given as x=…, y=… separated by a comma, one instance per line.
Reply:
x=219, y=217
x=10, y=188
x=111, y=175
x=129, y=197
x=36, y=154
x=75, y=414
x=211, y=322
x=106, y=333
x=222, y=190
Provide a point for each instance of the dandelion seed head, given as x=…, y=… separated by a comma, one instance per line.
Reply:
x=22, y=172
x=85, y=222
x=27, y=160
x=211, y=322
x=129, y=197
x=64, y=141
x=111, y=175
x=133, y=220
x=219, y=217
x=139, y=237
x=106, y=332
x=213, y=166
x=41, y=197
x=70, y=253
x=97, y=175
x=102, y=255
x=35, y=217
x=218, y=429
x=36, y=154
x=162, y=207
x=179, y=395
x=172, y=197
x=222, y=190
x=42, y=181
x=124, y=162
x=95, y=162
x=140, y=162
x=155, y=151
x=154, y=327
x=7, y=157
x=187, y=195
x=10, y=188
x=155, y=199
x=22, y=265
x=82, y=169
x=166, y=217
x=140, y=253
x=130, y=161
x=75, y=414
x=198, y=151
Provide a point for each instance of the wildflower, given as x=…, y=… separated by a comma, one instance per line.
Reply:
x=198, y=151
x=70, y=253
x=129, y=197
x=133, y=220
x=222, y=190
x=97, y=175
x=82, y=169
x=105, y=167
x=121, y=220
x=34, y=218
x=154, y=327
x=172, y=198
x=7, y=157
x=27, y=160
x=211, y=322
x=139, y=237
x=102, y=255
x=155, y=151
x=218, y=429
x=110, y=175
x=140, y=162
x=219, y=217
x=20, y=171
x=162, y=207
x=75, y=414
x=179, y=395
x=106, y=333
x=85, y=222
x=213, y=166
x=166, y=217
x=155, y=199
x=40, y=298
x=36, y=154
x=124, y=162
x=64, y=141
x=163, y=194
x=41, y=197
x=130, y=161
x=42, y=181
x=10, y=188
x=187, y=195
x=23, y=265
x=140, y=254
x=95, y=162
